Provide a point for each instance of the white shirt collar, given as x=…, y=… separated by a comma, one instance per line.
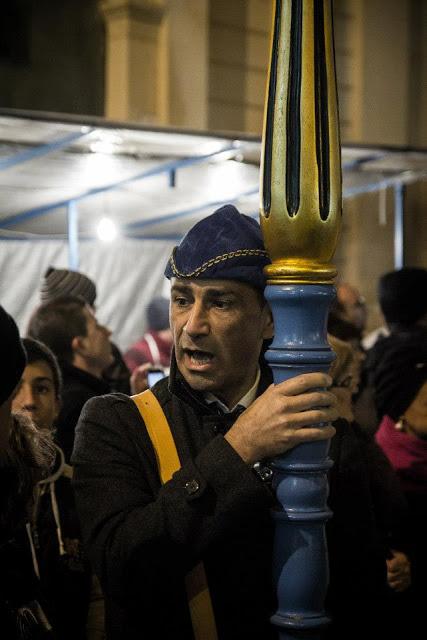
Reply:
x=245, y=401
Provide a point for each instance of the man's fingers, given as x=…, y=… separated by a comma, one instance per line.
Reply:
x=310, y=400
x=310, y=418
x=303, y=383
x=314, y=433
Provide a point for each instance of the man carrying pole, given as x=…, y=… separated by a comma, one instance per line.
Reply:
x=181, y=536
x=173, y=487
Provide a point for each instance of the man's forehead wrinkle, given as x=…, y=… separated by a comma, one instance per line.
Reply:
x=207, y=293
x=216, y=287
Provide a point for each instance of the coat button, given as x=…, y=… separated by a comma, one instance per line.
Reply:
x=192, y=486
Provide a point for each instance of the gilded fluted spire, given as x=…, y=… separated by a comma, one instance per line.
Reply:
x=301, y=164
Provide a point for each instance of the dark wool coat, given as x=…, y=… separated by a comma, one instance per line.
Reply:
x=144, y=538
x=369, y=518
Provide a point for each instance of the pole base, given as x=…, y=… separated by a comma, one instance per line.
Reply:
x=299, y=627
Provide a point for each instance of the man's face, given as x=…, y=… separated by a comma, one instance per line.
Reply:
x=96, y=345
x=36, y=395
x=218, y=329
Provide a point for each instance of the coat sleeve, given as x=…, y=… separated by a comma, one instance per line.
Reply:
x=132, y=526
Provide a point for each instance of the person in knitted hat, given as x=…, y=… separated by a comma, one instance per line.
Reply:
x=58, y=283
x=65, y=282
x=162, y=536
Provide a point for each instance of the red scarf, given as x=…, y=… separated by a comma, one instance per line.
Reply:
x=406, y=453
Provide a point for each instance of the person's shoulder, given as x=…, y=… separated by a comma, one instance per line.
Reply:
x=106, y=403
x=110, y=416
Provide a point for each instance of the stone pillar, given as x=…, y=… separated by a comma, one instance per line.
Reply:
x=135, y=58
x=188, y=63
x=385, y=49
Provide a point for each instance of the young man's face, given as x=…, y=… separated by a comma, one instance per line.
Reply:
x=218, y=330
x=36, y=395
x=96, y=345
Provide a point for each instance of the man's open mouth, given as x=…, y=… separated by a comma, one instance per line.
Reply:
x=198, y=357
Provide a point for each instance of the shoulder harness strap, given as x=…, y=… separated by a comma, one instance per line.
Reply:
x=199, y=600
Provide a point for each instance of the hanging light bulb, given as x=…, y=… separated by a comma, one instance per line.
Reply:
x=106, y=230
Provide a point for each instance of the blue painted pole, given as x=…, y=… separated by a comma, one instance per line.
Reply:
x=300, y=219
x=73, y=235
x=300, y=553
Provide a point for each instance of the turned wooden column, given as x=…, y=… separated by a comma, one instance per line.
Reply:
x=300, y=219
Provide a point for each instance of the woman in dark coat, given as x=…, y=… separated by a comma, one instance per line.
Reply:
x=25, y=457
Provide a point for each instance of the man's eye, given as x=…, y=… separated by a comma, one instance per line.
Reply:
x=180, y=302
x=222, y=303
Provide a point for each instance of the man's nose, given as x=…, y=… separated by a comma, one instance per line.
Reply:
x=197, y=322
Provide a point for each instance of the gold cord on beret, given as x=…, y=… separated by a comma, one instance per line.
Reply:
x=213, y=261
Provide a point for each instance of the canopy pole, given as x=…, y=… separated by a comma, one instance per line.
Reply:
x=73, y=235
x=399, y=231
x=300, y=219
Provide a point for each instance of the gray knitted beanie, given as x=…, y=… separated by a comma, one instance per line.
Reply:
x=64, y=282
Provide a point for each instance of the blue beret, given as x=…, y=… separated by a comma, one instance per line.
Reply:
x=226, y=245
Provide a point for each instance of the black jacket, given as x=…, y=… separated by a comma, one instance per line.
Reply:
x=78, y=387
x=369, y=518
x=144, y=538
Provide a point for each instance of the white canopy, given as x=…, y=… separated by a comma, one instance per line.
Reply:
x=60, y=175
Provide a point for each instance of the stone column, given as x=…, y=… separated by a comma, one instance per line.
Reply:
x=188, y=63
x=135, y=60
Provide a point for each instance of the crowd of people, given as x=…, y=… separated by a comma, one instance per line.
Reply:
x=130, y=512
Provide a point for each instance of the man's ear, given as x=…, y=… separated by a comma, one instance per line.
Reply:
x=268, y=332
x=77, y=344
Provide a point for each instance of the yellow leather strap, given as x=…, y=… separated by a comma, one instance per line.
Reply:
x=160, y=434
x=199, y=599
